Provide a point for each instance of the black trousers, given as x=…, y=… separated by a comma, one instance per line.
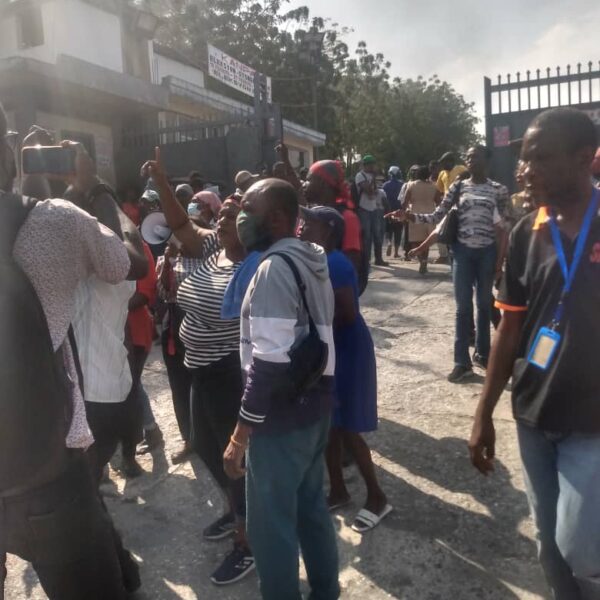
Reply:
x=64, y=532
x=108, y=423
x=180, y=382
x=133, y=430
x=394, y=233
x=216, y=399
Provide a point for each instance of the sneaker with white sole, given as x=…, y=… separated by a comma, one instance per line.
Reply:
x=237, y=564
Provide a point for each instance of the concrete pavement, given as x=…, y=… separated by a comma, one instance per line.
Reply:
x=453, y=534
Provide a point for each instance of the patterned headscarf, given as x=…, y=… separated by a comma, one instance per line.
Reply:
x=332, y=173
x=209, y=199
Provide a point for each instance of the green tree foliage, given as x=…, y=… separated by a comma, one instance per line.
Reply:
x=360, y=107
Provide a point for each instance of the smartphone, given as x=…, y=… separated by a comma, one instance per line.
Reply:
x=48, y=160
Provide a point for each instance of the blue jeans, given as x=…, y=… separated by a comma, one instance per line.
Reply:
x=286, y=507
x=372, y=226
x=562, y=475
x=473, y=267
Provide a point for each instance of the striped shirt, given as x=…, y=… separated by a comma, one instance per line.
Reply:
x=476, y=211
x=207, y=337
x=181, y=268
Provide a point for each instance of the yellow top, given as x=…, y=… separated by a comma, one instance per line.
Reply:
x=447, y=178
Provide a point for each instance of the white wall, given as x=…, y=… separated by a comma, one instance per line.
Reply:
x=71, y=27
x=9, y=39
x=163, y=67
x=90, y=34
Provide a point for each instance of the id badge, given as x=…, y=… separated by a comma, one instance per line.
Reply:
x=544, y=348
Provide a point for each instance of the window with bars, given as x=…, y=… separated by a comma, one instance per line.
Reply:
x=30, y=27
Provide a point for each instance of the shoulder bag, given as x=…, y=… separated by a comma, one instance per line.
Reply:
x=309, y=356
x=448, y=233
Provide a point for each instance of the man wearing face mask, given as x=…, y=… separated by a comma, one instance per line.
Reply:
x=50, y=511
x=285, y=432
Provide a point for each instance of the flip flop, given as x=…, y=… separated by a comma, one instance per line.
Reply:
x=366, y=520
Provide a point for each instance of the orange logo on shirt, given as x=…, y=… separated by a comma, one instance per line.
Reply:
x=595, y=255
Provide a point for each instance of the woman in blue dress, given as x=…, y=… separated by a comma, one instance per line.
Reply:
x=356, y=373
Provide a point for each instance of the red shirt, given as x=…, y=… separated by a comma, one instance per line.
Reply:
x=140, y=321
x=351, y=239
x=133, y=212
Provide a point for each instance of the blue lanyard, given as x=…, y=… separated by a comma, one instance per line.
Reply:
x=569, y=273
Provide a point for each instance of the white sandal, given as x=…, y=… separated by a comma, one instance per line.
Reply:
x=366, y=520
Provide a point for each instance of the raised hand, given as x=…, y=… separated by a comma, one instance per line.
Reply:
x=283, y=152
x=155, y=169
x=85, y=169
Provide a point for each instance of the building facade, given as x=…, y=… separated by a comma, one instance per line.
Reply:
x=90, y=70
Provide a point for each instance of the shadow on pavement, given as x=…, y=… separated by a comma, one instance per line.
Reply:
x=469, y=545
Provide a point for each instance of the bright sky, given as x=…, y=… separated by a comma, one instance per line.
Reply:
x=465, y=40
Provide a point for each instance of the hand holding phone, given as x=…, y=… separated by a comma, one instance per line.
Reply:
x=49, y=160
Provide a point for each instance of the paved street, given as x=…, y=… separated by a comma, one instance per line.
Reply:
x=453, y=534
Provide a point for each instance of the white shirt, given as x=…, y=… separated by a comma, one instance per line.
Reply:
x=99, y=325
x=58, y=247
x=366, y=202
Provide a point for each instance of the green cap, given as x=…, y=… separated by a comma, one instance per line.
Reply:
x=368, y=159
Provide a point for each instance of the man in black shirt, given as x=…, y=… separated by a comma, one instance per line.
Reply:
x=549, y=340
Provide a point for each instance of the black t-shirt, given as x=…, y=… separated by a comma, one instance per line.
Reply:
x=566, y=397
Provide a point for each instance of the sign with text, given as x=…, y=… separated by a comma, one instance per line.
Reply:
x=501, y=136
x=233, y=73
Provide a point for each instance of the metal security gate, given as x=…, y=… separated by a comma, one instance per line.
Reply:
x=218, y=149
x=512, y=104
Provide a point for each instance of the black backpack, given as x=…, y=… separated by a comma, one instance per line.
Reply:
x=35, y=408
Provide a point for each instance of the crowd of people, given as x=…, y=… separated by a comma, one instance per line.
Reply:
x=271, y=366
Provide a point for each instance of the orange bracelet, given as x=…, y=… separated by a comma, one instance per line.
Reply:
x=237, y=444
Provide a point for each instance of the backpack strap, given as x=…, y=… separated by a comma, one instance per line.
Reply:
x=301, y=285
